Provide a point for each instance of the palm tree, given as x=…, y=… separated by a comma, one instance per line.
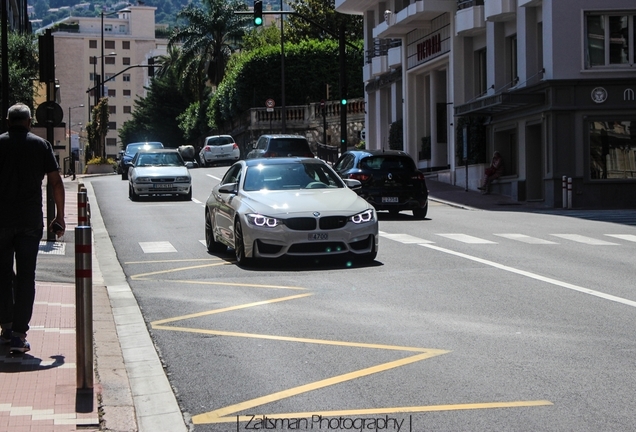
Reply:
x=207, y=39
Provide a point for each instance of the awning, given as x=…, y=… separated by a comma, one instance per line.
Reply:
x=499, y=103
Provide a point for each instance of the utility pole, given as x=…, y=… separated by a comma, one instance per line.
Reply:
x=343, y=90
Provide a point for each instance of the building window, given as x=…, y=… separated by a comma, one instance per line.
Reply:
x=108, y=28
x=125, y=61
x=109, y=44
x=513, y=71
x=92, y=60
x=109, y=77
x=127, y=92
x=112, y=109
x=610, y=40
x=125, y=78
x=112, y=125
x=482, y=72
x=122, y=28
x=111, y=141
x=127, y=109
x=125, y=44
x=111, y=92
x=612, y=149
x=92, y=44
x=109, y=60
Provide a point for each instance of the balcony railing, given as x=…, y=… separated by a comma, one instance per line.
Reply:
x=381, y=47
x=463, y=4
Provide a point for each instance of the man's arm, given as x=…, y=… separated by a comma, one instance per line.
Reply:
x=57, y=185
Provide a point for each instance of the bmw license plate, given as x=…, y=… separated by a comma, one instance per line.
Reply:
x=390, y=199
x=318, y=236
x=162, y=186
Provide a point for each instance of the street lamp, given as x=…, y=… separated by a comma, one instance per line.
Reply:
x=70, y=148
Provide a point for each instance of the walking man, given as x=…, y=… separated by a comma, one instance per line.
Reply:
x=24, y=161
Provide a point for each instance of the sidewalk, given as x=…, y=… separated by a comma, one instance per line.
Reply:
x=38, y=390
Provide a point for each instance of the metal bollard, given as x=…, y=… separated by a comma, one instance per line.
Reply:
x=564, y=191
x=82, y=201
x=569, y=192
x=80, y=186
x=84, y=306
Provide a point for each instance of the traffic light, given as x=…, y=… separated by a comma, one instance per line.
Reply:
x=343, y=101
x=151, y=67
x=258, y=12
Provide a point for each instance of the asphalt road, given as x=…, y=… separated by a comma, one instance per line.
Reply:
x=469, y=320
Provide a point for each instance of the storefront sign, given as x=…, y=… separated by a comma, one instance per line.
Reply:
x=429, y=47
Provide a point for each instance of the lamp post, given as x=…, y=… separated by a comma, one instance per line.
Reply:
x=70, y=147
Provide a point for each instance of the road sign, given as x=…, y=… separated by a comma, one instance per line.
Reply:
x=269, y=103
x=49, y=113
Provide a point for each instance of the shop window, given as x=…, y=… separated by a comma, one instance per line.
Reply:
x=609, y=39
x=612, y=149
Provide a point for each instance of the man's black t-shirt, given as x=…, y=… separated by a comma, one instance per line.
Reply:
x=24, y=160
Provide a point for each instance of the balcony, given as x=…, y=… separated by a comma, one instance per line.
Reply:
x=470, y=20
x=414, y=16
x=500, y=10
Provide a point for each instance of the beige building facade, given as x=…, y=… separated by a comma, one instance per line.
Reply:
x=129, y=41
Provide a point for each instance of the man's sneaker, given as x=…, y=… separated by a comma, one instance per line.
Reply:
x=5, y=336
x=19, y=345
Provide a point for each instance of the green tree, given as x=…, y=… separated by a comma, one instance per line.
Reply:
x=323, y=13
x=154, y=117
x=207, y=38
x=258, y=38
x=97, y=130
x=23, y=67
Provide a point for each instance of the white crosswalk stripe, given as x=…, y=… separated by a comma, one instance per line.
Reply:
x=405, y=238
x=525, y=239
x=157, y=247
x=628, y=237
x=585, y=240
x=465, y=238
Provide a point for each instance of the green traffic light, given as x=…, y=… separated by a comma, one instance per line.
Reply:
x=343, y=102
x=258, y=21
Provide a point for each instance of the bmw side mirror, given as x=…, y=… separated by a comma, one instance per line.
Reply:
x=230, y=188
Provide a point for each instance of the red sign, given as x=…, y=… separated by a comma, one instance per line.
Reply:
x=430, y=46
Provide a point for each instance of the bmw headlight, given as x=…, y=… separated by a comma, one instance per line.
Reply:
x=364, y=217
x=262, y=221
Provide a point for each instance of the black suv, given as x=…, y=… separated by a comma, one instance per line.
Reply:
x=390, y=180
x=279, y=145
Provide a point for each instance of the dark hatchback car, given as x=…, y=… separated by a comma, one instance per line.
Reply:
x=280, y=145
x=390, y=180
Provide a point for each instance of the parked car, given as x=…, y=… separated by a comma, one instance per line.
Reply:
x=390, y=180
x=159, y=172
x=280, y=145
x=219, y=148
x=267, y=208
x=129, y=153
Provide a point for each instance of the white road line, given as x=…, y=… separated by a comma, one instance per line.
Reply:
x=194, y=200
x=628, y=237
x=535, y=276
x=465, y=238
x=585, y=240
x=214, y=177
x=157, y=247
x=525, y=239
x=405, y=238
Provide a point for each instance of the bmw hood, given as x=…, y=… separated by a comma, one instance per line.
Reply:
x=298, y=202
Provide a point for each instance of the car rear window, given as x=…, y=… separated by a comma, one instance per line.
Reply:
x=132, y=149
x=220, y=141
x=387, y=163
x=289, y=146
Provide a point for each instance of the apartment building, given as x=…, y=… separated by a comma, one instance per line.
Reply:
x=128, y=37
x=550, y=82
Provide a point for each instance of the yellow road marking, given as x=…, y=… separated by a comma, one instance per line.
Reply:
x=173, y=260
x=156, y=324
x=381, y=411
x=142, y=275
x=209, y=417
x=240, y=285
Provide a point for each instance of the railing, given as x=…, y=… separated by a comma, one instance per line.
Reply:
x=381, y=47
x=464, y=4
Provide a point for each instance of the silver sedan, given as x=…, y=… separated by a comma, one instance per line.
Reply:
x=159, y=172
x=267, y=208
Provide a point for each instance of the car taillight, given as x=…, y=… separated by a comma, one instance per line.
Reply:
x=207, y=148
x=270, y=154
x=360, y=177
x=234, y=146
x=418, y=176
